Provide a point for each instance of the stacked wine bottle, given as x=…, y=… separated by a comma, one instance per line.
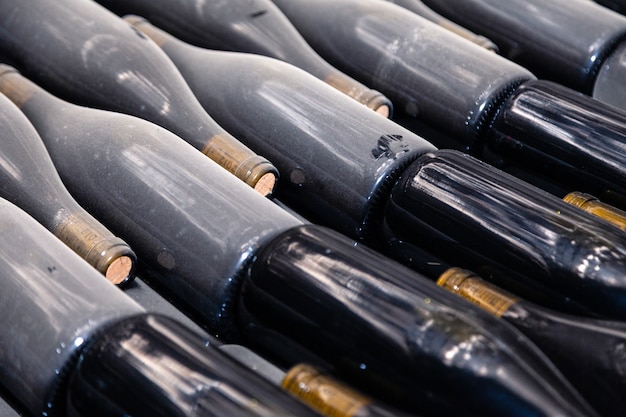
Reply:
x=293, y=208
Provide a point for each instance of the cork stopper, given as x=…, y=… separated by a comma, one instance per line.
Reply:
x=119, y=271
x=372, y=99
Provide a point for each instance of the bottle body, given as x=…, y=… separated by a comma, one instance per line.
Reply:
x=416, y=6
x=47, y=296
x=152, y=366
x=470, y=95
x=429, y=73
x=580, y=141
x=82, y=52
x=256, y=27
x=30, y=181
x=594, y=368
x=144, y=183
x=569, y=50
x=554, y=245
x=338, y=160
x=419, y=328
x=204, y=244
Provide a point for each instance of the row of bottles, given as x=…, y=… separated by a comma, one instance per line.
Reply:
x=253, y=272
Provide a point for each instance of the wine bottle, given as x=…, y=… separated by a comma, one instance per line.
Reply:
x=589, y=352
x=247, y=26
x=471, y=95
x=617, y=5
x=235, y=259
x=312, y=385
x=347, y=147
x=596, y=207
x=579, y=44
x=29, y=180
x=75, y=345
x=327, y=395
x=7, y=408
x=287, y=99
x=416, y=6
x=86, y=54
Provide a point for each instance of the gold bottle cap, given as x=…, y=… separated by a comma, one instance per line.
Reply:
x=594, y=206
x=471, y=287
x=324, y=394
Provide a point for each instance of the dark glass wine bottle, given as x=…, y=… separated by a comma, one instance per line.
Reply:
x=617, y=5
x=566, y=140
x=416, y=6
x=8, y=406
x=29, y=180
x=249, y=270
x=320, y=390
x=577, y=43
x=369, y=154
x=74, y=345
x=589, y=352
x=255, y=26
x=265, y=95
x=81, y=51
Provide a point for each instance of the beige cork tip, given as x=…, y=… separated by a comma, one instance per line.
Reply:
x=265, y=184
x=119, y=270
x=384, y=111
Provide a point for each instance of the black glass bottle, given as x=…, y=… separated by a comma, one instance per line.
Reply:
x=589, y=352
x=86, y=54
x=561, y=140
x=29, y=180
x=267, y=95
x=344, y=151
x=316, y=387
x=255, y=26
x=617, y=5
x=417, y=6
x=577, y=43
x=74, y=345
x=249, y=270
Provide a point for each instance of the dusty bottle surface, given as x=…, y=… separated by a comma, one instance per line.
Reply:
x=316, y=134
x=568, y=42
x=84, y=53
x=256, y=27
x=30, y=180
x=61, y=314
x=463, y=92
x=418, y=7
x=202, y=240
x=321, y=162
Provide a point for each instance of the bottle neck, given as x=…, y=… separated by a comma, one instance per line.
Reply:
x=151, y=365
x=17, y=88
x=110, y=255
x=311, y=293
